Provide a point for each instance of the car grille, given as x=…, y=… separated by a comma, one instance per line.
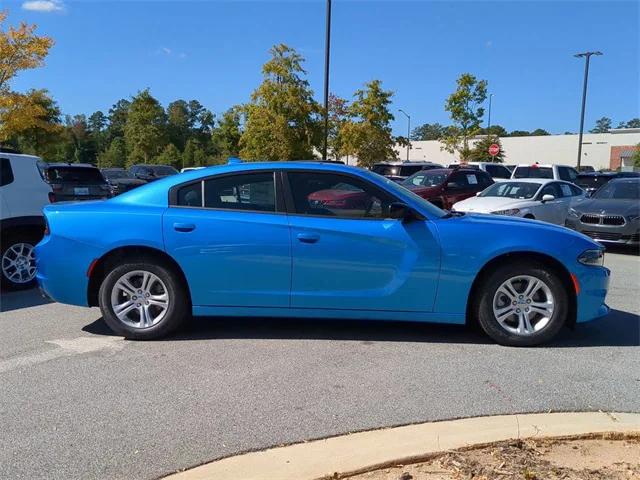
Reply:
x=593, y=219
x=603, y=235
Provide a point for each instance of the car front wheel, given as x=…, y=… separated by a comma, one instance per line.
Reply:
x=143, y=301
x=523, y=305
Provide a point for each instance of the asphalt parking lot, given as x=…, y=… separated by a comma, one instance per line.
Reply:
x=78, y=402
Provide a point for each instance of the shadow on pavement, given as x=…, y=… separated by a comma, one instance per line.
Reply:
x=21, y=299
x=617, y=329
x=622, y=249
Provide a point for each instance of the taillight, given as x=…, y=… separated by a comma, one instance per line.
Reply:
x=52, y=197
x=46, y=227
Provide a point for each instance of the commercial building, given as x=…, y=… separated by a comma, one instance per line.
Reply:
x=599, y=150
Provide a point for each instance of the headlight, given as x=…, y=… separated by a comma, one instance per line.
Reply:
x=593, y=257
x=573, y=213
x=510, y=211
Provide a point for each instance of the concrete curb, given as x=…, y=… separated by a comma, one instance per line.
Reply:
x=360, y=451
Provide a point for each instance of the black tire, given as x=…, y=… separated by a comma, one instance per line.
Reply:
x=492, y=283
x=28, y=238
x=177, y=314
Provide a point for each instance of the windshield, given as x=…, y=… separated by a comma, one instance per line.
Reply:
x=533, y=172
x=619, y=191
x=397, y=189
x=518, y=190
x=113, y=174
x=426, y=178
x=592, y=181
x=74, y=175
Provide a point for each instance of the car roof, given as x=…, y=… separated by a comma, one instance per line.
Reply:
x=625, y=179
x=532, y=180
x=71, y=165
x=396, y=163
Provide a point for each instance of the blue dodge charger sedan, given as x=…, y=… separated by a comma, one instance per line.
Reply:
x=312, y=239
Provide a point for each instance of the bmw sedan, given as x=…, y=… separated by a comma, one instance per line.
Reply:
x=537, y=199
x=272, y=240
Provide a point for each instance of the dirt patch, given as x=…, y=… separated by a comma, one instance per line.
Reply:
x=604, y=457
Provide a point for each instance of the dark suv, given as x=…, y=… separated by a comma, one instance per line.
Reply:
x=149, y=173
x=121, y=180
x=74, y=181
x=445, y=186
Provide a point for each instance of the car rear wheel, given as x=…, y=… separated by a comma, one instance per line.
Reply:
x=18, y=262
x=144, y=301
x=523, y=305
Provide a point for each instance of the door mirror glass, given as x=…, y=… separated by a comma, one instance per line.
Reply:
x=547, y=198
x=399, y=211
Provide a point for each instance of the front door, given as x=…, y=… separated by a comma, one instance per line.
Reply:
x=347, y=255
x=231, y=241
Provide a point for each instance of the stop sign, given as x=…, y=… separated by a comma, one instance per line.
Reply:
x=494, y=149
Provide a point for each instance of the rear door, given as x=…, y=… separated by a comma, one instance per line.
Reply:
x=230, y=235
x=347, y=255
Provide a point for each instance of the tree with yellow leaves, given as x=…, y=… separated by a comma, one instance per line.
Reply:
x=21, y=49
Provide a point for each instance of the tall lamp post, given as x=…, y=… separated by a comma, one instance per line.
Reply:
x=587, y=56
x=408, y=131
x=489, y=115
x=327, y=49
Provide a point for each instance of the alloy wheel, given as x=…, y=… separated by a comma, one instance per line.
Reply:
x=523, y=305
x=19, y=263
x=140, y=299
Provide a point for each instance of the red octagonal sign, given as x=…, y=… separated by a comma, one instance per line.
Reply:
x=494, y=149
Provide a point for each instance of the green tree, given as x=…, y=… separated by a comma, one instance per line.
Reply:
x=539, y=132
x=97, y=126
x=519, y=133
x=428, y=131
x=603, y=125
x=145, y=130
x=282, y=119
x=179, y=123
x=367, y=135
x=226, y=136
x=633, y=123
x=338, y=116
x=115, y=155
x=117, y=118
x=194, y=154
x=496, y=130
x=466, y=111
x=636, y=156
x=169, y=156
x=480, y=151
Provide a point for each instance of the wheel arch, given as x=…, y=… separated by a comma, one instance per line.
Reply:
x=100, y=268
x=547, y=260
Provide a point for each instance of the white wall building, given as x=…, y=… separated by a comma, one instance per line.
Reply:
x=599, y=150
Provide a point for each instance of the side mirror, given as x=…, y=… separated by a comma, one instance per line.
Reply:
x=399, y=211
x=478, y=193
x=547, y=198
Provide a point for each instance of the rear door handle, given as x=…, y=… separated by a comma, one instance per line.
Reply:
x=184, y=227
x=308, y=237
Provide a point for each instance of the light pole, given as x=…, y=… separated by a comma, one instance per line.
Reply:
x=327, y=49
x=408, y=131
x=489, y=116
x=587, y=56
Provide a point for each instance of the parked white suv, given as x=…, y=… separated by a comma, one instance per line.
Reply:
x=23, y=193
x=552, y=172
x=497, y=171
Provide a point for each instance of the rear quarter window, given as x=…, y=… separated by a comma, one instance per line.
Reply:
x=533, y=172
x=6, y=172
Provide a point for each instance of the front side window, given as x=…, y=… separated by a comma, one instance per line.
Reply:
x=566, y=190
x=249, y=191
x=551, y=189
x=335, y=195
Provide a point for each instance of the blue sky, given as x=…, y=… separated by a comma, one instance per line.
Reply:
x=213, y=50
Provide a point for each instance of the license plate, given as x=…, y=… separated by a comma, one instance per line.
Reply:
x=81, y=190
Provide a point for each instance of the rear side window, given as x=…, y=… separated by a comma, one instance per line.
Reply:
x=533, y=172
x=406, y=171
x=251, y=191
x=576, y=190
x=6, y=173
x=190, y=195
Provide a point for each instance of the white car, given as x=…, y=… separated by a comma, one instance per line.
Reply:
x=538, y=199
x=540, y=170
x=23, y=193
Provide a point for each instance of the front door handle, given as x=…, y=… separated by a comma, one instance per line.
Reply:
x=308, y=237
x=184, y=227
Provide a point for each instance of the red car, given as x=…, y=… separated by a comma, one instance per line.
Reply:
x=340, y=197
x=445, y=186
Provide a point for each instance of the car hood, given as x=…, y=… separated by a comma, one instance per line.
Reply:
x=489, y=204
x=608, y=206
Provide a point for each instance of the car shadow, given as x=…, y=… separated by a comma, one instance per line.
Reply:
x=21, y=299
x=617, y=329
x=623, y=249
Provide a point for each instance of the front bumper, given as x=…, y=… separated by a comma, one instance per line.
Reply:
x=594, y=284
x=628, y=234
